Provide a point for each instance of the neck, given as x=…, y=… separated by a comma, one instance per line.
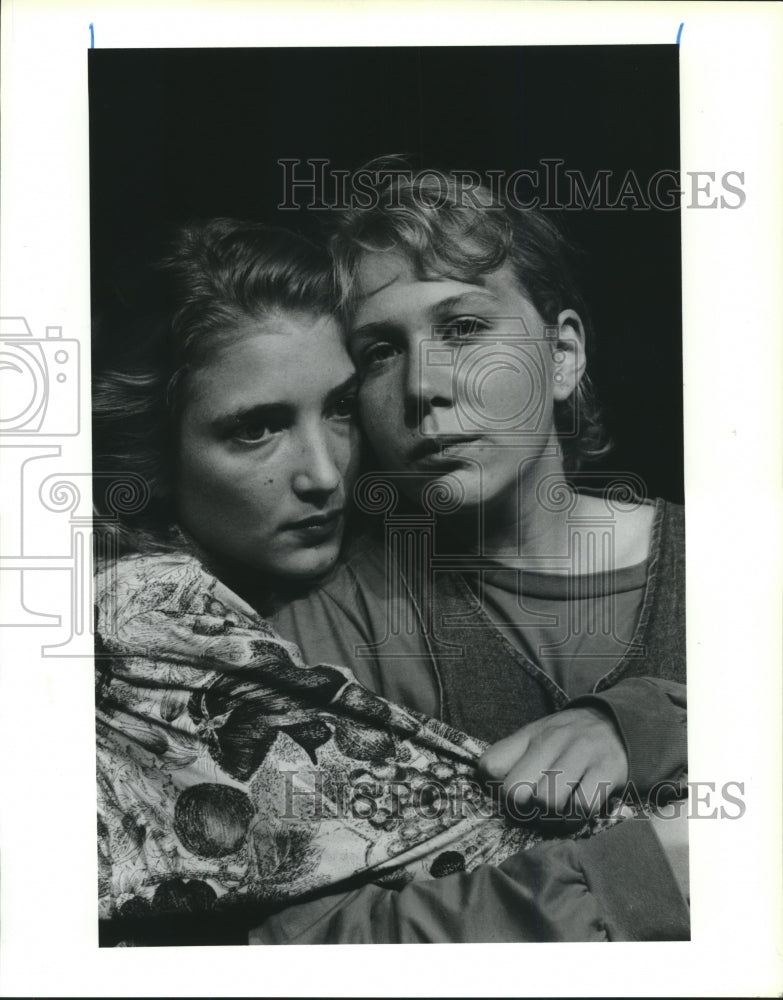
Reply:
x=529, y=522
x=259, y=590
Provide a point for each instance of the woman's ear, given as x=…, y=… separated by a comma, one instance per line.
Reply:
x=568, y=355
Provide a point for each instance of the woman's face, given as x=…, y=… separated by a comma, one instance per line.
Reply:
x=458, y=379
x=268, y=446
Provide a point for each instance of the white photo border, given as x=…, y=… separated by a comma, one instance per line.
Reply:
x=731, y=66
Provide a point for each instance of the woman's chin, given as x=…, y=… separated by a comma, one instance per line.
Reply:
x=266, y=568
x=307, y=564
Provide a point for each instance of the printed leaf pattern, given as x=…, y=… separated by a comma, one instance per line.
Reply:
x=228, y=770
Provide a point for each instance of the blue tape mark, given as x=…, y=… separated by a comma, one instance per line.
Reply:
x=679, y=31
x=92, y=36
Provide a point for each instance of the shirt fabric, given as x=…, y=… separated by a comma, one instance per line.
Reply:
x=576, y=629
x=231, y=774
x=368, y=615
x=468, y=671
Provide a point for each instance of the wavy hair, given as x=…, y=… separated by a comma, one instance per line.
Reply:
x=210, y=276
x=445, y=228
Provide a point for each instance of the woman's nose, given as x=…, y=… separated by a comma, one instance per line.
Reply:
x=428, y=375
x=319, y=471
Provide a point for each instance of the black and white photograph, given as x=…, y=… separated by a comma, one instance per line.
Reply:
x=390, y=638
x=390, y=556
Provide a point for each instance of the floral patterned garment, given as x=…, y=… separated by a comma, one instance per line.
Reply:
x=229, y=771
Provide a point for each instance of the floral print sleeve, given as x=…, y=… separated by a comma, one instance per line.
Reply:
x=229, y=771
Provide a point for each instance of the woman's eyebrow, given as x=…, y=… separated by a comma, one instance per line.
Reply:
x=232, y=418
x=455, y=303
x=478, y=298
x=373, y=329
x=349, y=385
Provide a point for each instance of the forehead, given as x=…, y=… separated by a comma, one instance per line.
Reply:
x=282, y=357
x=389, y=286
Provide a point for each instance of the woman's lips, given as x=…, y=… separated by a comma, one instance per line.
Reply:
x=439, y=452
x=319, y=527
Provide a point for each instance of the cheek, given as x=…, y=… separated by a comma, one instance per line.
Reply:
x=350, y=459
x=203, y=473
x=504, y=390
x=220, y=497
x=518, y=395
x=380, y=412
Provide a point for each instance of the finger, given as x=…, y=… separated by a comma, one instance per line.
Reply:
x=604, y=753
x=555, y=730
x=557, y=782
x=535, y=783
x=591, y=793
x=544, y=750
x=519, y=799
x=497, y=761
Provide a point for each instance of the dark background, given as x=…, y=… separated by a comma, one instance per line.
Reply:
x=177, y=134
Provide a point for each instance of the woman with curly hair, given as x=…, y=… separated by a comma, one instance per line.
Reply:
x=234, y=779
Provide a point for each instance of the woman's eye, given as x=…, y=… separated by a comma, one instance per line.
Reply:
x=256, y=431
x=464, y=327
x=344, y=408
x=375, y=354
x=252, y=433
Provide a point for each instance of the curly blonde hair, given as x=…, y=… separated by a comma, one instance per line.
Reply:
x=442, y=228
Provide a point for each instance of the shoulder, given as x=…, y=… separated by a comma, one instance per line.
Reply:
x=360, y=573
x=674, y=518
x=136, y=565
x=367, y=563
x=632, y=524
x=150, y=577
x=672, y=535
x=346, y=607
x=173, y=583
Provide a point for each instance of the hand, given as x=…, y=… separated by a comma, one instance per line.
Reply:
x=583, y=753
